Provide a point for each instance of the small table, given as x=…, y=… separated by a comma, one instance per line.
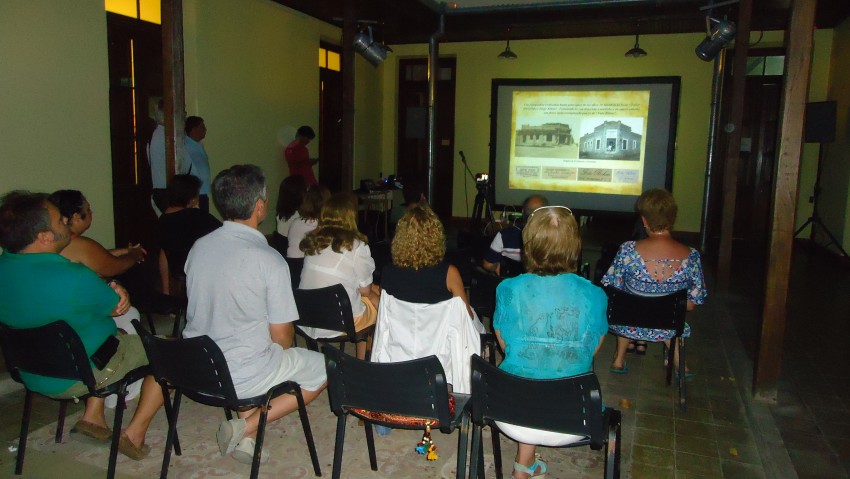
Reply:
x=380, y=201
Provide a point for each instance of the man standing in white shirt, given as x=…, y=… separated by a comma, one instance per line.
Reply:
x=156, y=157
x=240, y=295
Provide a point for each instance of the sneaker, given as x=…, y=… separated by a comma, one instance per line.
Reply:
x=229, y=434
x=244, y=452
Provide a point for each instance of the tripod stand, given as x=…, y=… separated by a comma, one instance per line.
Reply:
x=815, y=220
x=483, y=202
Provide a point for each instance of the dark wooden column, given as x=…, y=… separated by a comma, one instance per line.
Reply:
x=349, y=29
x=733, y=144
x=173, y=81
x=798, y=66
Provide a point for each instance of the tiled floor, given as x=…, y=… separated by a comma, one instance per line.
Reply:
x=724, y=433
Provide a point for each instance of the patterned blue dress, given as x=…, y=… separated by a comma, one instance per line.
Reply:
x=629, y=272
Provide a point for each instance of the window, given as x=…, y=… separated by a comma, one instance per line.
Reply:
x=329, y=59
x=765, y=65
x=146, y=10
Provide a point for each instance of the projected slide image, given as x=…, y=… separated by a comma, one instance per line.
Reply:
x=612, y=139
x=581, y=141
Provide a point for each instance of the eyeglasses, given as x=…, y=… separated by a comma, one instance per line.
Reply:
x=569, y=211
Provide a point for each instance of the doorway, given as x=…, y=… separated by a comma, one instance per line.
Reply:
x=135, y=85
x=330, y=117
x=413, y=128
x=757, y=160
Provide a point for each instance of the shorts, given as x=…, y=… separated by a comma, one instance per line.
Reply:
x=537, y=437
x=305, y=367
x=129, y=356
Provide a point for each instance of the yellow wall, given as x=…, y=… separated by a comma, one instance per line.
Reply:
x=834, y=203
x=669, y=55
x=54, y=103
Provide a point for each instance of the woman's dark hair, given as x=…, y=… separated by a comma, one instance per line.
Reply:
x=183, y=189
x=311, y=207
x=68, y=202
x=290, y=195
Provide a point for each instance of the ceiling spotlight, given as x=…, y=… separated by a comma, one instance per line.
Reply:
x=374, y=52
x=716, y=40
x=636, y=51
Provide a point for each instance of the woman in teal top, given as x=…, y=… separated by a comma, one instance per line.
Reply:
x=550, y=321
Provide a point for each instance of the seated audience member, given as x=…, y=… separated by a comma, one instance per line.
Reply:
x=308, y=219
x=549, y=321
x=290, y=194
x=180, y=226
x=655, y=266
x=107, y=263
x=77, y=214
x=38, y=287
x=240, y=296
x=418, y=273
x=504, y=258
x=337, y=253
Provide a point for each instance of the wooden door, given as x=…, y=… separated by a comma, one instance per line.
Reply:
x=413, y=128
x=135, y=85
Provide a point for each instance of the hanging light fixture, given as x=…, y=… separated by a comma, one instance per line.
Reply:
x=716, y=39
x=636, y=51
x=507, y=54
x=373, y=51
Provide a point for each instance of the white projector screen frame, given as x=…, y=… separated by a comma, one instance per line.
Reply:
x=591, y=144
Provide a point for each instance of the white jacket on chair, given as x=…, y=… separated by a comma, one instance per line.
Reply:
x=407, y=331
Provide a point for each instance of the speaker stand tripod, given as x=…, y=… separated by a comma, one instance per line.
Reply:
x=815, y=220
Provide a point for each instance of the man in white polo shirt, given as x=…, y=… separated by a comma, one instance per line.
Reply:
x=240, y=295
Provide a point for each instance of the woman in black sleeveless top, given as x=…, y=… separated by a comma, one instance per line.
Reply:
x=418, y=273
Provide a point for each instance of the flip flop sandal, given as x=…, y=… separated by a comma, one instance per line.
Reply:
x=541, y=474
x=632, y=347
x=92, y=430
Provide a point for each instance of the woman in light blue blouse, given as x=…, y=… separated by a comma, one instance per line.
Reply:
x=550, y=321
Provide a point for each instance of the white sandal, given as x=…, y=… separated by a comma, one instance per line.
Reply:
x=530, y=470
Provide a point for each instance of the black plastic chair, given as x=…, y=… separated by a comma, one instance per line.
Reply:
x=327, y=308
x=374, y=393
x=570, y=405
x=55, y=350
x=654, y=312
x=296, y=265
x=196, y=367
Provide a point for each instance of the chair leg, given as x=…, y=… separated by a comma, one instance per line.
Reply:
x=60, y=424
x=612, y=447
x=682, y=379
x=150, y=323
x=671, y=352
x=462, y=443
x=178, y=318
x=370, y=445
x=475, y=458
x=116, y=430
x=171, y=412
x=308, y=433
x=258, y=446
x=338, y=445
x=228, y=414
x=497, y=451
x=25, y=426
x=167, y=404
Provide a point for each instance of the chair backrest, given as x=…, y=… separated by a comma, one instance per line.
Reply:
x=407, y=331
x=53, y=350
x=296, y=265
x=482, y=291
x=656, y=312
x=325, y=308
x=570, y=405
x=379, y=387
x=194, y=365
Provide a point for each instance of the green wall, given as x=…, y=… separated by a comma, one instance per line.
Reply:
x=252, y=73
x=669, y=55
x=54, y=103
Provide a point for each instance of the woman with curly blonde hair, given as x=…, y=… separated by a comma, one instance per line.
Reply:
x=337, y=253
x=418, y=273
